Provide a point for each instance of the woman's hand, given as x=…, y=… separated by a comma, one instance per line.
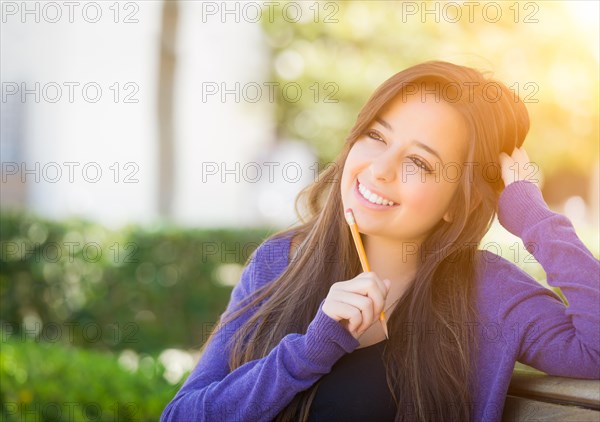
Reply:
x=517, y=167
x=357, y=303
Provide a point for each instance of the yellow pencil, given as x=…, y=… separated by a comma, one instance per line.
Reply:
x=363, y=257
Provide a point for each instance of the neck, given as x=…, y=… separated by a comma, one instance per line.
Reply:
x=392, y=259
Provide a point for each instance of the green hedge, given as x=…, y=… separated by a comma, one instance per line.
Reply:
x=55, y=382
x=145, y=289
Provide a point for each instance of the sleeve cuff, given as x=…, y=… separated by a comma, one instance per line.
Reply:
x=332, y=339
x=521, y=205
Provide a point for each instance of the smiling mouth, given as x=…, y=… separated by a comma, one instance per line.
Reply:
x=373, y=198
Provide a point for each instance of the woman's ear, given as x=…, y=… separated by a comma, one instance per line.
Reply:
x=451, y=211
x=448, y=217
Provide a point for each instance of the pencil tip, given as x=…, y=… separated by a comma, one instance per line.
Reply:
x=385, y=330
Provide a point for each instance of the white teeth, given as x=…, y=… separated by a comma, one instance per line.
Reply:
x=372, y=197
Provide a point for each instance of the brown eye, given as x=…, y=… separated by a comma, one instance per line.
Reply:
x=374, y=135
x=422, y=164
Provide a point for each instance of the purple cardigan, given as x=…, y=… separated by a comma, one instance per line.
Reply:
x=520, y=320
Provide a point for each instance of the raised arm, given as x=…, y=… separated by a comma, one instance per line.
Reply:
x=260, y=389
x=555, y=338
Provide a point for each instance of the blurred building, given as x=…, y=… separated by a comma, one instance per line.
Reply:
x=79, y=126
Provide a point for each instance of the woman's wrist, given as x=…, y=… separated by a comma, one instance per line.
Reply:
x=521, y=205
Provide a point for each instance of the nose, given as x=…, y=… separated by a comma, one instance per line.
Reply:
x=384, y=167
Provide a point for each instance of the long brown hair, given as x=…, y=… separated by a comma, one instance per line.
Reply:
x=426, y=386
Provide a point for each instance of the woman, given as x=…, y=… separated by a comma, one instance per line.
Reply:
x=433, y=156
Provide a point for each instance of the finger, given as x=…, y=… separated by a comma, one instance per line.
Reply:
x=364, y=304
x=518, y=155
x=351, y=314
x=370, y=286
x=377, y=304
x=523, y=163
x=383, y=287
x=367, y=281
x=379, y=294
x=506, y=167
x=504, y=159
x=523, y=156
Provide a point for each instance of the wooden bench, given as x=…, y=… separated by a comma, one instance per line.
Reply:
x=535, y=396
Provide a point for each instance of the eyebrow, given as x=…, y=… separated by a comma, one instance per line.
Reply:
x=413, y=141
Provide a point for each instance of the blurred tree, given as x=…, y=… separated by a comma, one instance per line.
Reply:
x=166, y=77
x=339, y=52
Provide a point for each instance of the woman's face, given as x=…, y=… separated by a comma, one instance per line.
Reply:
x=411, y=154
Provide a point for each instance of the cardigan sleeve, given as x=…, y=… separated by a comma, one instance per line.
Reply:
x=259, y=389
x=559, y=339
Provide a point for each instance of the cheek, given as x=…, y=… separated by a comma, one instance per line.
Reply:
x=354, y=161
x=425, y=198
x=347, y=174
x=347, y=177
x=418, y=195
x=362, y=152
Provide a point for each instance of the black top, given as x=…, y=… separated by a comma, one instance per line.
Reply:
x=355, y=390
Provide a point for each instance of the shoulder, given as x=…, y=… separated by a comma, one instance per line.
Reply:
x=265, y=264
x=270, y=258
